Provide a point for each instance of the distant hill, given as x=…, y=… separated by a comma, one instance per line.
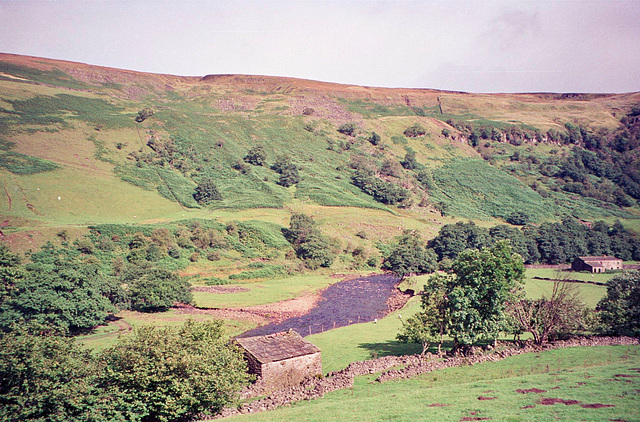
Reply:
x=82, y=144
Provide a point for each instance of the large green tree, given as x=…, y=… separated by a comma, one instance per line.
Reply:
x=430, y=324
x=59, y=288
x=482, y=283
x=47, y=378
x=619, y=310
x=409, y=255
x=206, y=191
x=155, y=289
x=172, y=373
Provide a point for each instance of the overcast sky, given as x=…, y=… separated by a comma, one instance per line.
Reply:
x=474, y=45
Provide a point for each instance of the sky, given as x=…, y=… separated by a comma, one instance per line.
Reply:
x=473, y=45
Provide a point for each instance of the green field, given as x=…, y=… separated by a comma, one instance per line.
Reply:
x=261, y=293
x=588, y=375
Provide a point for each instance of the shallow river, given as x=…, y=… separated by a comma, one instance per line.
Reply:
x=343, y=303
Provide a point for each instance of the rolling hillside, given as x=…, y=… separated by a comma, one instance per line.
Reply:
x=83, y=145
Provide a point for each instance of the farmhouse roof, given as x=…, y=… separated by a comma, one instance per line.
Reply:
x=277, y=347
x=598, y=258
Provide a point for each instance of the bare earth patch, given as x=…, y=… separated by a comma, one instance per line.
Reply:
x=486, y=398
x=596, y=405
x=531, y=390
x=438, y=405
x=549, y=402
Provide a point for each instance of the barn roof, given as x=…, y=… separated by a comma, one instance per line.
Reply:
x=598, y=258
x=277, y=347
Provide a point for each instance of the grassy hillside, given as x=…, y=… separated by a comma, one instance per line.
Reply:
x=69, y=130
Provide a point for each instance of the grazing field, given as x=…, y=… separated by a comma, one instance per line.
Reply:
x=588, y=384
x=261, y=293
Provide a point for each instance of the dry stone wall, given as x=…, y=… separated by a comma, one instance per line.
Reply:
x=412, y=365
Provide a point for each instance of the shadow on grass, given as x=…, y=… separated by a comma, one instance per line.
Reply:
x=395, y=348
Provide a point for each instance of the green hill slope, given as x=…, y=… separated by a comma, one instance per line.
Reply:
x=81, y=144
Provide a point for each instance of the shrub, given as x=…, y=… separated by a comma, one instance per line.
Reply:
x=256, y=156
x=348, y=129
x=414, y=131
x=206, y=191
x=172, y=373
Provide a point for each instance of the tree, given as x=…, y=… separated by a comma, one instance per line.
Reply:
x=288, y=171
x=144, y=114
x=256, y=156
x=46, y=377
x=484, y=280
x=155, y=289
x=455, y=238
x=430, y=324
x=619, y=310
x=409, y=255
x=374, y=138
x=10, y=272
x=172, y=373
x=414, y=131
x=410, y=161
x=348, y=129
x=310, y=245
x=58, y=289
x=545, y=318
x=206, y=191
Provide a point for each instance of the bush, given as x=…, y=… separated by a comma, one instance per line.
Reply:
x=414, y=131
x=206, y=191
x=619, y=310
x=348, y=129
x=154, y=289
x=256, y=156
x=374, y=138
x=172, y=373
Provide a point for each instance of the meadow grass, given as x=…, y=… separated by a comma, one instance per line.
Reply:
x=590, y=294
x=107, y=335
x=585, y=374
x=264, y=292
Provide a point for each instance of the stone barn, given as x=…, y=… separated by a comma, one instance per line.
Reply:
x=282, y=359
x=596, y=264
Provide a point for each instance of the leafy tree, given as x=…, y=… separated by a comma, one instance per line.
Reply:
x=482, y=283
x=348, y=129
x=455, y=238
x=545, y=318
x=619, y=310
x=155, y=289
x=310, y=245
x=58, y=289
x=517, y=218
x=430, y=324
x=410, y=161
x=374, y=138
x=144, y=114
x=414, y=131
x=409, y=255
x=300, y=228
x=10, y=272
x=316, y=251
x=47, y=378
x=288, y=171
x=256, y=156
x=206, y=191
x=172, y=373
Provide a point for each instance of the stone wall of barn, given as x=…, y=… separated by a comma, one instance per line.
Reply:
x=291, y=372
